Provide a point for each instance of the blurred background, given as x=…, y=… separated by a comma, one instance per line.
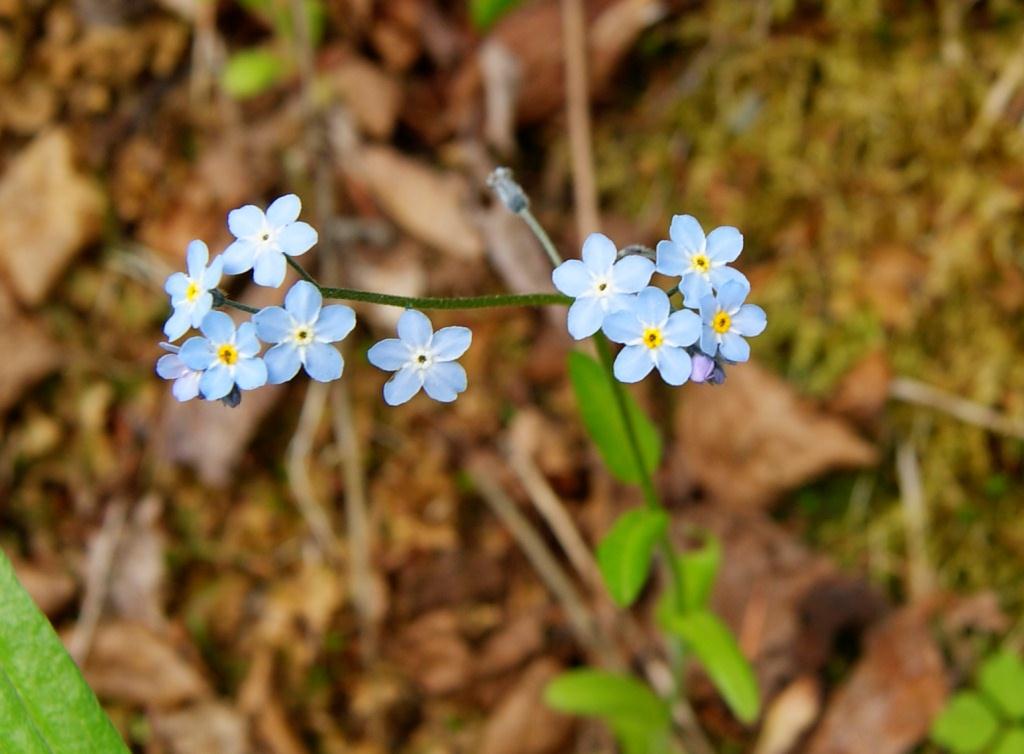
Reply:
x=316, y=572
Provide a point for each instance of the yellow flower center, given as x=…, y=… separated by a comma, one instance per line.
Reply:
x=192, y=291
x=700, y=262
x=227, y=354
x=303, y=335
x=652, y=338
x=721, y=323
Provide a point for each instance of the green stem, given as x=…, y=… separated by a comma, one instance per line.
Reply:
x=542, y=236
x=442, y=302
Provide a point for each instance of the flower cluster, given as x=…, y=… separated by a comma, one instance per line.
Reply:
x=692, y=341
x=225, y=360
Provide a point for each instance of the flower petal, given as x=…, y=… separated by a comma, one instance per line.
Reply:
x=187, y=387
x=622, y=327
x=198, y=353
x=245, y=221
x=632, y=273
x=273, y=324
x=585, y=317
x=171, y=367
x=674, y=365
x=269, y=269
x=571, y=278
x=731, y=296
x=701, y=367
x=708, y=308
x=721, y=276
x=178, y=323
x=297, y=238
x=687, y=234
x=724, y=244
x=246, y=341
x=390, y=354
x=708, y=341
x=323, y=362
x=238, y=257
x=283, y=362
x=250, y=374
x=212, y=274
x=444, y=381
x=196, y=257
x=633, y=364
x=652, y=306
x=218, y=327
x=683, y=328
x=176, y=285
x=303, y=302
x=734, y=347
x=216, y=382
x=750, y=320
x=334, y=323
x=450, y=343
x=284, y=210
x=599, y=253
x=670, y=259
x=694, y=288
x=414, y=328
x=403, y=385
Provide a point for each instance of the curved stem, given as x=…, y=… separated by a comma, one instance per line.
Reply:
x=443, y=302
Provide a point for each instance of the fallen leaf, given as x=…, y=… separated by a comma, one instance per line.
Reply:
x=862, y=393
x=38, y=354
x=434, y=654
x=139, y=569
x=522, y=723
x=50, y=587
x=373, y=96
x=398, y=270
x=789, y=716
x=200, y=729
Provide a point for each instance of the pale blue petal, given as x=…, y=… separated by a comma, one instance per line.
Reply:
x=250, y=374
x=198, y=353
x=171, y=367
x=245, y=221
x=632, y=273
x=186, y=388
x=618, y=303
x=218, y=327
x=734, y=348
x=303, y=301
x=284, y=210
x=633, y=363
x=334, y=323
x=572, y=278
x=750, y=320
x=585, y=317
x=652, y=306
x=211, y=277
x=708, y=308
x=297, y=238
x=403, y=385
x=731, y=296
x=202, y=306
x=722, y=276
x=414, y=328
x=444, y=381
x=451, y=342
x=196, y=257
x=390, y=354
x=246, y=341
x=622, y=327
x=216, y=382
x=176, y=285
x=724, y=244
x=323, y=362
x=282, y=362
x=708, y=341
x=238, y=257
x=701, y=368
x=683, y=328
x=178, y=324
x=694, y=288
x=269, y=269
x=670, y=259
x=599, y=253
x=273, y=324
x=687, y=234
x=674, y=364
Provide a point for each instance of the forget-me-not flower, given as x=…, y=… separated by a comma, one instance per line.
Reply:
x=653, y=336
x=226, y=356
x=700, y=261
x=190, y=293
x=599, y=284
x=264, y=239
x=171, y=367
x=302, y=331
x=727, y=319
x=422, y=358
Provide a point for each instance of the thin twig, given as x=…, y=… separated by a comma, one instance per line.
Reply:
x=920, y=577
x=912, y=391
x=578, y=110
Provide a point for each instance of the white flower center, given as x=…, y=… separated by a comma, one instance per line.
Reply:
x=602, y=287
x=422, y=360
x=303, y=335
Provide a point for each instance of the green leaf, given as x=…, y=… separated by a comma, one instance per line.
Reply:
x=251, y=72
x=713, y=643
x=619, y=700
x=624, y=554
x=45, y=706
x=1002, y=678
x=697, y=572
x=484, y=13
x=966, y=725
x=1012, y=742
x=601, y=417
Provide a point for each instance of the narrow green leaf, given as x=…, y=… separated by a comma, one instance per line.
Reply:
x=1002, y=678
x=697, y=571
x=45, y=706
x=619, y=700
x=966, y=725
x=251, y=72
x=604, y=424
x=715, y=646
x=624, y=554
x=1011, y=742
x=484, y=13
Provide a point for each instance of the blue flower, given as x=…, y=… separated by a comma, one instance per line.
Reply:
x=190, y=294
x=653, y=336
x=599, y=284
x=171, y=367
x=699, y=261
x=226, y=357
x=422, y=358
x=302, y=331
x=727, y=319
x=264, y=239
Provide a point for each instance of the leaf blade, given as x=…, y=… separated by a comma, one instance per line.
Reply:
x=966, y=725
x=624, y=555
x=1001, y=677
x=615, y=698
